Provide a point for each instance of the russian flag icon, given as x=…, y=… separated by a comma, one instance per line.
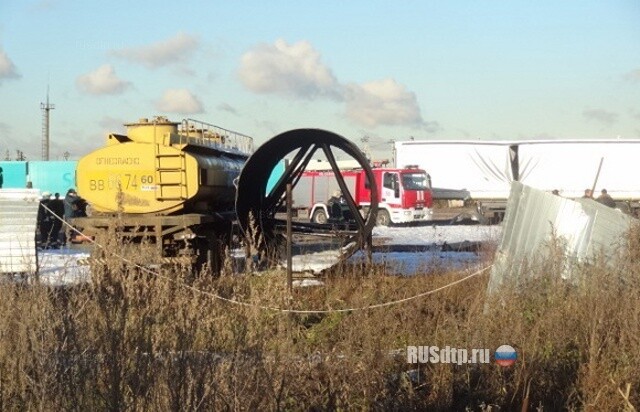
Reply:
x=505, y=355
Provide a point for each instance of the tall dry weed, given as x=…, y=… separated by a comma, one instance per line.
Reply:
x=132, y=340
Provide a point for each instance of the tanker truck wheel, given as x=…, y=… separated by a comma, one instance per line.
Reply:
x=383, y=218
x=319, y=216
x=261, y=195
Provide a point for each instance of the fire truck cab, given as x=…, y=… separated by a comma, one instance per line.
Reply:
x=404, y=194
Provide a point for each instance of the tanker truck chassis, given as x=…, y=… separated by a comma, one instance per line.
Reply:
x=187, y=240
x=178, y=191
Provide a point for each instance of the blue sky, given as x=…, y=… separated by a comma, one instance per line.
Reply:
x=382, y=69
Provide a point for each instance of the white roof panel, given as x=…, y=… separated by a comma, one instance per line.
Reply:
x=18, y=219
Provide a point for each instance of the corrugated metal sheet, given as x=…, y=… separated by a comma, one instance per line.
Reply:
x=533, y=217
x=18, y=218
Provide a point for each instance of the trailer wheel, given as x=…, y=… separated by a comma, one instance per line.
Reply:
x=383, y=218
x=319, y=216
x=257, y=202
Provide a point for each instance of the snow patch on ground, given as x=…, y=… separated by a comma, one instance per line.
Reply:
x=416, y=263
x=65, y=266
x=438, y=235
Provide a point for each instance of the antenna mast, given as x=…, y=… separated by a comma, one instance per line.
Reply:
x=46, y=108
x=367, y=149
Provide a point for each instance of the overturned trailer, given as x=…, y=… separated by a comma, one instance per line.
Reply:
x=484, y=170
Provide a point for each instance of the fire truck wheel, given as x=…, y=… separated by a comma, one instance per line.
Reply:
x=383, y=218
x=319, y=216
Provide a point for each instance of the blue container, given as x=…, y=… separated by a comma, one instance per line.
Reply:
x=276, y=174
x=53, y=176
x=14, y=174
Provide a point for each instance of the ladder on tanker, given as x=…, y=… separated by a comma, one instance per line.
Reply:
x=171, y=179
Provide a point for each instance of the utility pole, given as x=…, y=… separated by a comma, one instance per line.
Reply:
x=367, y=149
x=289, y=240
x=46, y=108
x=392, y=142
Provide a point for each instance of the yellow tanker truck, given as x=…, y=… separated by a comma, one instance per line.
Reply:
x=166, y=181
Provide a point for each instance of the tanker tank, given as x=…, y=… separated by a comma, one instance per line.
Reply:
x=175, y=191
x=161, y=167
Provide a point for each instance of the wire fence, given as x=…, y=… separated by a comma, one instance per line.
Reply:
x=265, y=307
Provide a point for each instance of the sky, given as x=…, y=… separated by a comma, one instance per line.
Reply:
x=372, y=71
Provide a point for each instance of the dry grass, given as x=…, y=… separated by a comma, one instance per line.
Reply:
x=133, y=341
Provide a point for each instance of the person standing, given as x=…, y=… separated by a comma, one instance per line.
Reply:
x=606, y=199
x=335, y=205
x=45, y=220
x=57, y=207
x=1, y=178
x=69, y=204
x=69, y=211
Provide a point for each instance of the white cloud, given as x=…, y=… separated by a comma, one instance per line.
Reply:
x=431, y=127
x=9, y=144
x=633, y=76
x=225, y=107
x=112, y=125
x=103, y=80
x=179, y=101
x=383, y=102
x=7, y=68
x=44, y=5
x=292, y=70
x=601, y=116
x=176, y=49
x=296, y=71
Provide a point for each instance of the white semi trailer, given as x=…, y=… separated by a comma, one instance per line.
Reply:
x=482, y=171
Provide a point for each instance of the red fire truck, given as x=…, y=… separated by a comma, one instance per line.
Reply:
x=404, y=194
